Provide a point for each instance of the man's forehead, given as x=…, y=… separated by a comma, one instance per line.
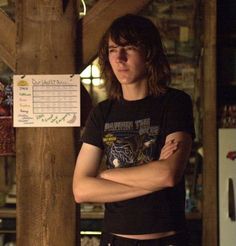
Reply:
x=120, y=42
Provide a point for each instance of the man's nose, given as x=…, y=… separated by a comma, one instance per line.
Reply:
x=121, y=55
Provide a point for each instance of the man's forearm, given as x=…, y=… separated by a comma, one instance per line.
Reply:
x=139, y=176
x=94, y=189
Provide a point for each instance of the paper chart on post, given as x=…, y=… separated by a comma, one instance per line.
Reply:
x=46, y=100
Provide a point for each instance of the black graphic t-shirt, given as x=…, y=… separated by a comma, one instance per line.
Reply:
x=132, y=133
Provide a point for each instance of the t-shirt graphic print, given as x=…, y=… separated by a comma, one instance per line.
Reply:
x=130, y=143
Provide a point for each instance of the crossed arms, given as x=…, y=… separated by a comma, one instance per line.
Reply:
x=125, y=183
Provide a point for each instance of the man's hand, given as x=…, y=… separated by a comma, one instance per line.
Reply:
x=168, y=149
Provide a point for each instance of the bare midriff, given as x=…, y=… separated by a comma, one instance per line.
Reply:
x=148, y=236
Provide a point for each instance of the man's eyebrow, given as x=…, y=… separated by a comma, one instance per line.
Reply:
x=121, y=45
x=112, y=46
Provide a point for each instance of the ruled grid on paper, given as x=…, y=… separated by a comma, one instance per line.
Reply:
x=56, y=99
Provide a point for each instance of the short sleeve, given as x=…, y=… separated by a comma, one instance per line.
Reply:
x=179, y=114
x=93, y=131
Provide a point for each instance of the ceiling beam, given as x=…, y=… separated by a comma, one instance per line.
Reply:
x=7, y=40
x=97, y=20
x=91, y=28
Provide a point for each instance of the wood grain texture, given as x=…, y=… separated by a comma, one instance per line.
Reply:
x=45, y=206
x=94, y=24
x=7, y=40
x=209, y=127
x=45, y=44
x=45, y=156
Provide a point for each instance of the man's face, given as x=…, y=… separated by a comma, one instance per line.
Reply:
x=127, y=62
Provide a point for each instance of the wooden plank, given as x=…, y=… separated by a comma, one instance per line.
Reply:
x=97, y=20
x=7, y=40
x=44, y=42
x=7, y=213
x=45, y=156
x=209, y=127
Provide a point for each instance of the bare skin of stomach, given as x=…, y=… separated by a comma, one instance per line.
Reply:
x=148, y=236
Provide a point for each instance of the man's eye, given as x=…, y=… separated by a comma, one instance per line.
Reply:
x=131, y=47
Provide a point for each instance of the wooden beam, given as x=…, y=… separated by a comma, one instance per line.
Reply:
x=97, y=20
x=7, y=40
x=45, y=157
x=209, y=127
x=92, y=25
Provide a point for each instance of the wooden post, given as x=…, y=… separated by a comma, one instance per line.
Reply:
x=46, y=34
x=209, y=127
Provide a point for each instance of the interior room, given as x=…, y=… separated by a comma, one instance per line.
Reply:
x=37, y=159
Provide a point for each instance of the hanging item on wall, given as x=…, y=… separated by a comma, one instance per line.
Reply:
x=5, y=99
x=46, y=100
x=7, y=140
x=227, y=116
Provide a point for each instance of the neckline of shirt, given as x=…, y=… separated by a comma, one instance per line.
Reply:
x=138, y=101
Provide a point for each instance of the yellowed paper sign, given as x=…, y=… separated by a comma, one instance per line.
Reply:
x=46, y=100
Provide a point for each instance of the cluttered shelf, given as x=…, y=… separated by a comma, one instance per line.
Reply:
x=92, y=215
x=11, y=213
x=7, y=212
x=99, y=215
x=7, y=231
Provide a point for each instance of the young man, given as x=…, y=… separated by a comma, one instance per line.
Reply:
x=145, y=129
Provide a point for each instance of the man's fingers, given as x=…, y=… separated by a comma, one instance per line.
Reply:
x=168, y=149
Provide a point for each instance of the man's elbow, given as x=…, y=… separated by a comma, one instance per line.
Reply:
x=79, y=195
x=78, y=198
x=172, y=180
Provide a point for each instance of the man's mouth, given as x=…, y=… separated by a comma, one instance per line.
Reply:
x=123, y=70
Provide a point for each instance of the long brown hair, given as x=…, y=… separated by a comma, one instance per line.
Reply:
x=139, y=31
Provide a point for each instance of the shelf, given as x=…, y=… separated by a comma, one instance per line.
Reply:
x=100, y=215
x=11, y=213
x=7, y=213
x=92, y=215
x=7, y=231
